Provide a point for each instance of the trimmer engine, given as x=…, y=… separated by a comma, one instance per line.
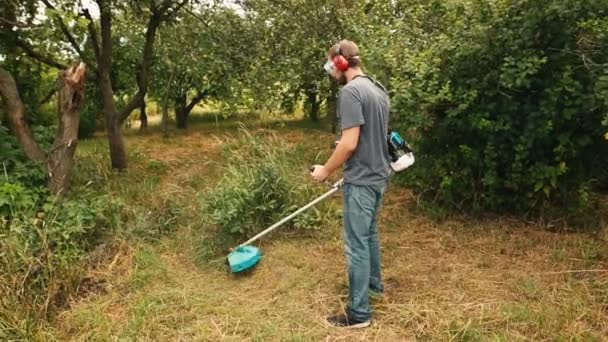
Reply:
x=400, y=152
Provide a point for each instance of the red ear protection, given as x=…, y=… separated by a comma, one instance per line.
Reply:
x=340, y=62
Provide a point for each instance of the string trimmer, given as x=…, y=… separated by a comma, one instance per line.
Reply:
x=245, y=256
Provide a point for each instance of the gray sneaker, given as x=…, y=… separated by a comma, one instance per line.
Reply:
x=344, y=321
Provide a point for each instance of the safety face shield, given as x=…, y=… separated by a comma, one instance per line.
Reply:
x=329, y=67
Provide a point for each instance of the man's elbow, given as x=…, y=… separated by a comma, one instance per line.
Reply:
x=350, y=146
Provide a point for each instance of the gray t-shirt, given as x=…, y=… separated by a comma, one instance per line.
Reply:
x=364, y=104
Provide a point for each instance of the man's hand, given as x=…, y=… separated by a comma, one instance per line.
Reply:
x=319, y=173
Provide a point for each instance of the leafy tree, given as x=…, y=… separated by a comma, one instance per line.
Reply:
x=218, y=54
x=295, y=36
x=507, y=100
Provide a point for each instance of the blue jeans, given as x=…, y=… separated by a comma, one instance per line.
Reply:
x=361, y=206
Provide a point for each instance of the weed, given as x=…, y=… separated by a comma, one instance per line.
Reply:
x=148, y=265
x=157, y=166
x=259, y=187
x=42, y=258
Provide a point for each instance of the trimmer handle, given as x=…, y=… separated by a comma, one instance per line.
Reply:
x=337, y=184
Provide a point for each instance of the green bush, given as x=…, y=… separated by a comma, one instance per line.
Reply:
x=22, y=182
x=260, y=185
x=507, y=100
x=43, y=242
x=43, y=258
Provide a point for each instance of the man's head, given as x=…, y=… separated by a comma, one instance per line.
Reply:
x=343, y=61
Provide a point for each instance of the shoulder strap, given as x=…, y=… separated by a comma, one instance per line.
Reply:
x=374, y=81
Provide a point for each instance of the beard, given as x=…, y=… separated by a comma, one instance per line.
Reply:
x=341, y=80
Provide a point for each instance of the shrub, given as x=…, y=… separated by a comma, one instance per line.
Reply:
x=43, y=256
x=507, y=101
x=260, y=185
x=22, y=182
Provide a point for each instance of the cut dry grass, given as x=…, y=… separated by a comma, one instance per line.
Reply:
x=454, y=280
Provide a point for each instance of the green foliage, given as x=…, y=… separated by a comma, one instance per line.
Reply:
x=219, y=53
x=504, y=103
x=42, y=257
x=91, y=115
x=148, y=265
x=291, y=42
x=43, y=242
x=22, y=182
x=15, y=197
x=259, y=188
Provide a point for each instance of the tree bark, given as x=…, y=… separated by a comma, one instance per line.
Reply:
x=143, y=76
x=61, y=156
x=60, y=159
x=200, y=96
x=114, y=119
x=165, y=117
x=118, y=154
x=16, y=115
x=143, y=118
x=181, y=118
x=182, y=111
x=313, y=104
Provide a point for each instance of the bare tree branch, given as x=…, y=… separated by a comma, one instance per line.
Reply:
x=198, y=98
x=189, y=11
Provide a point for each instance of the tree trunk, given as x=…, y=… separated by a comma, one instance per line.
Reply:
x=182, y=111
x=181, y=117
x=313, y=105
x=165, y=117
x=118, y=154
x=61, y=156
x=143, y=118
x=143, y=76
x=16, y=115
x=114, y=119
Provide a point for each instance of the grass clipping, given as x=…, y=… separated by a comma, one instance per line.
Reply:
x=263, y=181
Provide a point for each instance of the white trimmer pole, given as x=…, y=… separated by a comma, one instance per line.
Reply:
x=334, y=188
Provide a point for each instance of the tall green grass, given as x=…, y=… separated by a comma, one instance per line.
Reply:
x=264, y=180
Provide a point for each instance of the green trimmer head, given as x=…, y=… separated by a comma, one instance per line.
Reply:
x=245, y=257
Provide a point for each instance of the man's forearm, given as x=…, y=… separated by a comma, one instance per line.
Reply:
x=338, y=157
